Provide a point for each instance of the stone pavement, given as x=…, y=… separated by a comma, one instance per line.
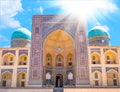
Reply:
x=60, y=90
x=92, y=90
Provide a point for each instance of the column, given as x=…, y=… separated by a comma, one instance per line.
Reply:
x=0, y=58
x=0, y=67
x=28, y=63
x=90, y=66
x=118, y=58
x=36, y=62
x=104, y=75
x=14, y=75
x=82, y=64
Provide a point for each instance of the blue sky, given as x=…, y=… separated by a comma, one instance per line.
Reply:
x=18, y=13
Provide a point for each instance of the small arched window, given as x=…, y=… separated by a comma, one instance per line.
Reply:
x=114, y=75
x=93, y=57
x=108, y=57
x=48, y=76
x=11, y=58
x=23, y=76
x=96, y=75
x=70, y=76
x=25, y=58
x=59, y=59
x=48, y=60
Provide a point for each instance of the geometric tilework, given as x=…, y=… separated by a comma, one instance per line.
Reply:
x=8, y=51
x=23, y=52
x=114, y=68
x=68, y=28
x=95, y=50
x=5, y=70
x=21, y=70
x=96, y=69
x=43, y=25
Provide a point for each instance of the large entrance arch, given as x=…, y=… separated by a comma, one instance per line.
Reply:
x=58, y=45
x=58, y=35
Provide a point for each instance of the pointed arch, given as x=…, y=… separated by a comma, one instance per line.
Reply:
x=23, y=58
x=21, y=79
x=110, y=57
x=48, y=60
x=95, y=58
x=97, y=78
x=70, y=59
x=8, y=59
x=59, y=60
x=6, y=79
x=57, y=42
x=112, y=78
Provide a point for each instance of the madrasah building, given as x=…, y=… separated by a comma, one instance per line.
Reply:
x=60, y=53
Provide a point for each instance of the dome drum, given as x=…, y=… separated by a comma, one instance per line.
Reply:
x=99, y=42
x=99, y=36
x=21, y=38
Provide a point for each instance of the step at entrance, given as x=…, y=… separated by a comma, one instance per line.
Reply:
x=58, y=90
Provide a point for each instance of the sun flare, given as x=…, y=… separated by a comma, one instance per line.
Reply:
x=85, y=8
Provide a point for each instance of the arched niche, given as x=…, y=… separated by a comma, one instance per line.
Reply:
x=112, y=78
x=95, y=58
x=59, y=60
x=48, y=76
x=8, y=59
x=110, y=57
x=70, y=76
x=23, y=58
x=58, y=42
x=48, y=60
x=21, y=79
x=70, y=59
x=97, y=78
x=6, y=79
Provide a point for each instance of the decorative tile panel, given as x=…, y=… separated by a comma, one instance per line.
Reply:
x=114, y=68
x=21, y=70
x=5, y=70
x=23, y=52
x=8, y=51
x=96, y=69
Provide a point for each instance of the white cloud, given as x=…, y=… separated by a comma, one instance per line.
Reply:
x=7, y=21
x=107, y=6
x=41, y=10
x=3, y=38
x=86, y=7
x=9, y=9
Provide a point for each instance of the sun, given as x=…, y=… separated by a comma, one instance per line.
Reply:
x=85, y=8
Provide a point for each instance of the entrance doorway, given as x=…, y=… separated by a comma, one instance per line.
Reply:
x=115, y=82
x=4, y=83
x=59, y=80
x=22, y=84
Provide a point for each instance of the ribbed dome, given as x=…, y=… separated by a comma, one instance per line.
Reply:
x=98, y=31
x=21, y=33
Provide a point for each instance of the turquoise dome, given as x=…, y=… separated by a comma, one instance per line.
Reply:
x=98, y=31
x=21, y=33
